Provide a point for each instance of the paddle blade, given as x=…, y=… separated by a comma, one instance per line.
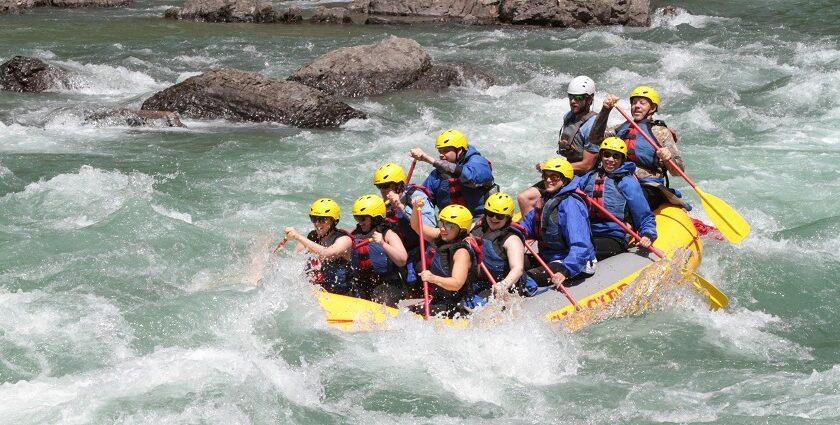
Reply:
x=717, y=299
x=731, y=225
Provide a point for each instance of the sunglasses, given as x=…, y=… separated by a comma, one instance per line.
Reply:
x=578, y=97
x=551, y=176
x=612, y=154
x=316, y=219
x=384, y=185
x=495, y=215
x=448, y=226
x=361, y=218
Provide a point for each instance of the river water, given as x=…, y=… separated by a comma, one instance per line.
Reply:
x=136, y=285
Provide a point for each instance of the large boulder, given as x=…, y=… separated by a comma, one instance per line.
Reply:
x=89, y=3
x=238, y=95
x=332, y=15
x=368, y=69
x=559, y=13
x=223, y=11
x=575, y=13
x=131, y=118
x=440, y=77
x=412, y=11
x=24, y=74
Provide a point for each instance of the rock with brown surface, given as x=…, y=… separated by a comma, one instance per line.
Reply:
x=238, y=95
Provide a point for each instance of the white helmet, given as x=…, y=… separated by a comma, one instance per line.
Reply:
x=582, y=85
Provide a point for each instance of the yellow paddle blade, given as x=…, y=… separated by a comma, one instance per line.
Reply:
x=717, y=299
x=731, y=225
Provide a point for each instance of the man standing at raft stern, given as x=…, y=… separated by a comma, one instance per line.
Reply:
x=574, y=143
x=651, y=164
x=461, y=175
x=560, y=223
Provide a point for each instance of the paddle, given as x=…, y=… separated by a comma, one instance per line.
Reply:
x=551, y=275
x=423, y=262
x=731, y=225
x=410, y=171
x=280, y=245
x=716, y=296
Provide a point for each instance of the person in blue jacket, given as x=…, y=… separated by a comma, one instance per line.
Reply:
x=613, y=185
x=560, y=223
x=461, y=175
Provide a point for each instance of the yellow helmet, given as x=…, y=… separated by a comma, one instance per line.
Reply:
x=500, y=203
x=614, y=144
x=457, y=214
x=371, y=205
x=389, y=173
x=559, y=165
x=646, y=92
x=325, y=207
x=451, y=139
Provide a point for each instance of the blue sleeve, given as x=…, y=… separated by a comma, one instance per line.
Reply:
x=428, y=210
x=433, y=184
x=585, y=129
x=477, y=171
x=576, y=231
x=643, y=218
x=527, y=223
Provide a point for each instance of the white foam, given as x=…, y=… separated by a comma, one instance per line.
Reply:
x=86, y=328
x=76, y=399
x=682, y=16
x=107, y=80
x=69, y=201
x=186, y=218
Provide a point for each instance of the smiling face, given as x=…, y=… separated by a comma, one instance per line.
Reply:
x=322, y=224
x=641, y=108
x=495, y=221
x=553, y=181
x=611, y=159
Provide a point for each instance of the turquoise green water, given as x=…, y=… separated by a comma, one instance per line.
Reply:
x=128, y=256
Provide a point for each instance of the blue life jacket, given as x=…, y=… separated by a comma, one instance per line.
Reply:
x=371, y=265
x=619, y=193
x=469, y=185
x=334, y=273
x=639, y=150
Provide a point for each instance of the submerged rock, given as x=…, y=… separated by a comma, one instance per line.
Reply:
x=25, y=74
x=131, y=118
x=368, y=69
x=238, y=95
x=440, y=77
x=223, y=11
